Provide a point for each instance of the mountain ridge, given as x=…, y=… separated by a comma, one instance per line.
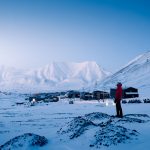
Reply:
x=53, y=76
x=136, y=74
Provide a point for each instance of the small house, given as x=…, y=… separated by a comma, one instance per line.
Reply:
x=97, y=95
x=86, y=96
x=129, y=92
x=73, y=94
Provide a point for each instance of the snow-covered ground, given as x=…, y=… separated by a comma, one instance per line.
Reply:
x=55, y=120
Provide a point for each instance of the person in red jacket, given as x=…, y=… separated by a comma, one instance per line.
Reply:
x=118, y=98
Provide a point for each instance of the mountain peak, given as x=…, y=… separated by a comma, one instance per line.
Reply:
x=54, y=76
x=136, y=73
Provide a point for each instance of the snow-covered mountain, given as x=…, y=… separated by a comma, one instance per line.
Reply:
x=54, y=76
x=136, y=74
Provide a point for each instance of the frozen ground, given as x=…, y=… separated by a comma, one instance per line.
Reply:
x=82, y=125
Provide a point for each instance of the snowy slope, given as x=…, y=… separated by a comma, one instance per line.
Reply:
x=55, y=76
x=136, y=73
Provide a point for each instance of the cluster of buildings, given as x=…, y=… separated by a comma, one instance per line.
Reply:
x=129, y=92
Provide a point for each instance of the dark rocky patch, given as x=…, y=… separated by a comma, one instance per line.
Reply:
x=76, y=127
x=135, y=118
x=137, y=115
x=111, y=130
x=98, y=118
x=26, y=140
x=113, y=135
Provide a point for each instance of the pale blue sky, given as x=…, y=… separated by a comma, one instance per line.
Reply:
x=34, y=33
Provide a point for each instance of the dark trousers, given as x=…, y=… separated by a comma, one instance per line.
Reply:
x=119, y=109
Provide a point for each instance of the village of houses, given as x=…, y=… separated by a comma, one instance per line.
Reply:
x=130, y=95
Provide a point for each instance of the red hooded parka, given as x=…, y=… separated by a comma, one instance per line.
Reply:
x=118, y=96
